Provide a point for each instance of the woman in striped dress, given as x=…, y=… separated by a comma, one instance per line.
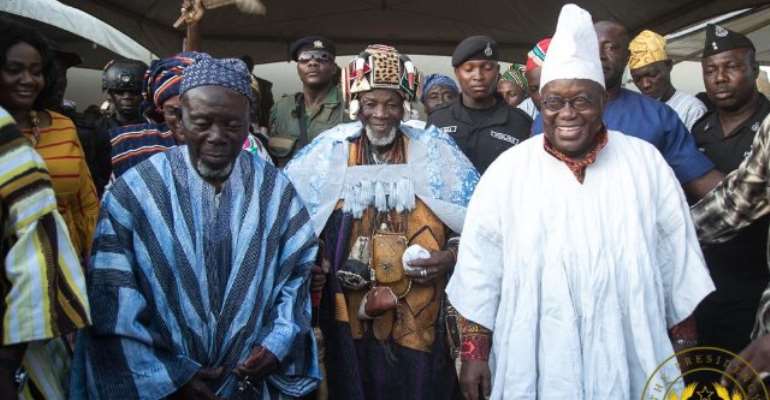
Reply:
x=26, y=82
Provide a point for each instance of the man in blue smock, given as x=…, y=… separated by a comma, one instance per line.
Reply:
x=199, y=278
x=646, y=118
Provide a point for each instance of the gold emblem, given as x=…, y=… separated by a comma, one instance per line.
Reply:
x=318, y=44
x=706, y=393
x=703, y=368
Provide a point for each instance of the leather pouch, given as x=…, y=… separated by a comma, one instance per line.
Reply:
x=387, y=250
x=355, y=274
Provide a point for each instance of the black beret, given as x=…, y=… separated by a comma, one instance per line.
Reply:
x=720, y=39
x=475, y=48
x=311, y=42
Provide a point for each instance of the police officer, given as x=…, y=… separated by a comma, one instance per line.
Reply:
x=295, y=120
x=738, y=267
x=480, y=121
x=122, y=81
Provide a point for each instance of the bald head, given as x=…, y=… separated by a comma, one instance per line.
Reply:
x=613, y=49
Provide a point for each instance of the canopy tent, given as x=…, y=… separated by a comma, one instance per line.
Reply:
x=688, y=44
x=75, y=31
x=414, y=26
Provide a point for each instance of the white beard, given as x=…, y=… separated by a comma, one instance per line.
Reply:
x=209, y=173
x=380, y=141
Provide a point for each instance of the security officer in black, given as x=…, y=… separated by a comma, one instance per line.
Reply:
x=480, y=122
x=738, y=267
x=122, y=80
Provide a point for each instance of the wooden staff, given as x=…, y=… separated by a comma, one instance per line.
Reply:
x=192, y=13
x=195, y=12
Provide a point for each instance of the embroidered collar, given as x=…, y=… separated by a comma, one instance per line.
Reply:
x=578, y=167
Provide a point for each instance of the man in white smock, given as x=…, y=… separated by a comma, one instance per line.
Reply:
x=570, y=292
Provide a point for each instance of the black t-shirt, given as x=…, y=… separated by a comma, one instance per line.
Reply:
x=739, y=266
x=482, y=134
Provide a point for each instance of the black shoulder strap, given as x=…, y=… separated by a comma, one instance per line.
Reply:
x=303, y=139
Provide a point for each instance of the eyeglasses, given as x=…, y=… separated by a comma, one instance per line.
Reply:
x=320, y=56
x=578, y=103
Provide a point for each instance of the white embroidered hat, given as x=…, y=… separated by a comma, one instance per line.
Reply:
x=574, y=49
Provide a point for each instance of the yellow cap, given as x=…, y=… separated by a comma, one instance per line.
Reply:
x=646, y=48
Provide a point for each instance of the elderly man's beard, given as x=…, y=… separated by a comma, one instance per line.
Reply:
x=380, y=141
x=208, y=173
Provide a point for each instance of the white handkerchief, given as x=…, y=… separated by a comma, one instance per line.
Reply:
x=413, y=252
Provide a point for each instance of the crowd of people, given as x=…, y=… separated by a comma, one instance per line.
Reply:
x=536, y=231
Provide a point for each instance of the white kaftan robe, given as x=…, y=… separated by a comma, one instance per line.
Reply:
x=578, y=282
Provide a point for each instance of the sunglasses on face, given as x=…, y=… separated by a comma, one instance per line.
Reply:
x=320, y=56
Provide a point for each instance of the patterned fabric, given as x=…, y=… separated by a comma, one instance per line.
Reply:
x=442, y=176
x=414, y=321
x=475, y=347
x=379, y=67
x=230, y=73
x=476, y=340
x=740, y=199
x=76, y=195
x=184, y=278
x=646, y=48
x=41, y=282
x=403, y=353
x=437, y=79
x=132, y=144
x=407, y=341
x=578, y=167
x=255, y=146
x=536, y=56
x=165, y=77
x=515, y=74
